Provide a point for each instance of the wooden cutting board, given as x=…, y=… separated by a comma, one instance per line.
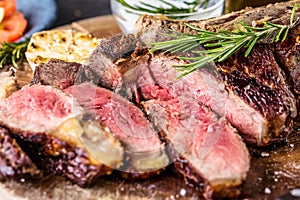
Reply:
x=274, y=170
x=102, y=26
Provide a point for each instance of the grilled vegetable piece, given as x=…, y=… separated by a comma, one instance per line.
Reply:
x=67, y=45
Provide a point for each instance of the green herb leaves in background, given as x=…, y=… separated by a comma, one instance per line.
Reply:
x=12, y=52
x=169, y=8
x=221, y=45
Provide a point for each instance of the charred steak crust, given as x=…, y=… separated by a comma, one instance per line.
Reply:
x=122, y=46
x=255, y=90
x=61, y=74
x=184, y=169
x=263, y=90
x=58, y=157
x=288, y=54
x=150, y=29
x=252, y=93
x=260, y=82
x=14, y=162
x=109, y=50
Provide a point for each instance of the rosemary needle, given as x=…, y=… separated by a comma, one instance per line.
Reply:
x=221, y=45
x=12, y=52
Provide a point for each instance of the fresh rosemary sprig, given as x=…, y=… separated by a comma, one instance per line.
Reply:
x=221, y=45
x=13, y=52
x=168, y=9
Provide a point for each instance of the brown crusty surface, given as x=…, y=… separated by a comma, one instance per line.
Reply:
x=150, y=28
x=14, y=162
x=267, y=80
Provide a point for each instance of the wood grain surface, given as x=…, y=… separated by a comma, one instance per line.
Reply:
x=274, y=170
x=102, y=26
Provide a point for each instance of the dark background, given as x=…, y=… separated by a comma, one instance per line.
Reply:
x=74, y=10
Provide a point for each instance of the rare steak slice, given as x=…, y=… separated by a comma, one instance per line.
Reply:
x=150, y=28
x=47, y=125
x=62, y=74
x=251, y=94
x=259, y=85
x=14, y=162
x=128, y=124
x=207, y=151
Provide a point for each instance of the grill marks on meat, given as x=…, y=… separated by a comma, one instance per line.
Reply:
x=46, y=123
x=14, y=162
x=127, y=123
x=199, y=141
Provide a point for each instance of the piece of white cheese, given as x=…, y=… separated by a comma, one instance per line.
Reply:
x=67, y=45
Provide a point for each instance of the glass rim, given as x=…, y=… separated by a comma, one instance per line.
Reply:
x=213, y=7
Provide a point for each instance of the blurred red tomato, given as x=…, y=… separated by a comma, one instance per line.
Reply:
x=9, y=6
x=13, y=27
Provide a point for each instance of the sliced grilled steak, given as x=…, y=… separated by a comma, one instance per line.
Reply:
x=128, y=124
x=62, y=74
x=206, y=149
x=251, y=92
x=14, y=162
x=259, y=82
x=150, y=29
x=236, y=90
x=46, y=124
